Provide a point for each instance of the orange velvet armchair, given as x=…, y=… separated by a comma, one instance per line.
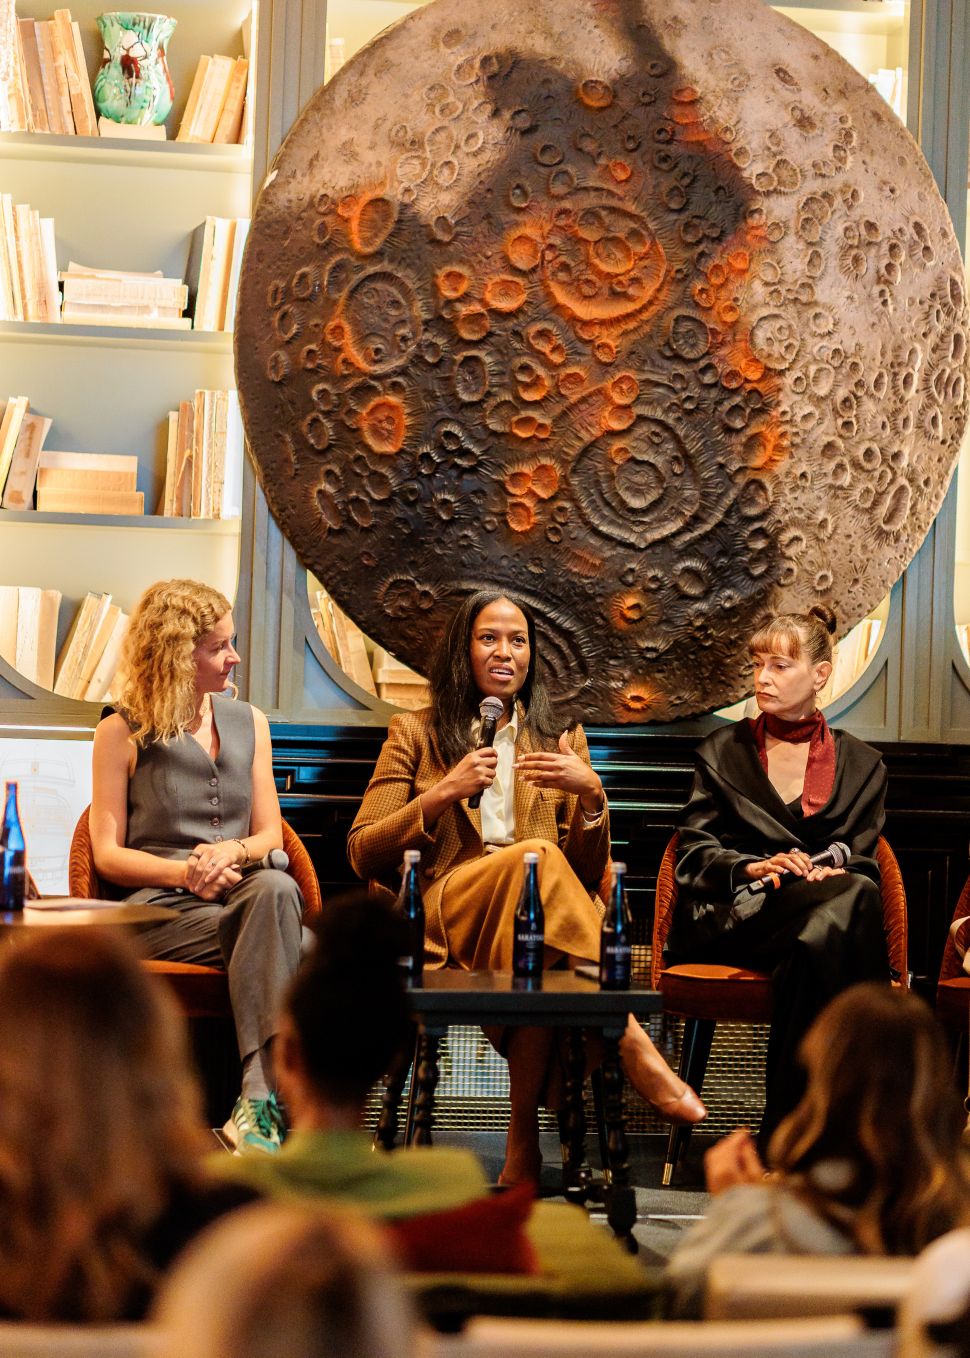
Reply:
x=704, y=993
x=202, y=992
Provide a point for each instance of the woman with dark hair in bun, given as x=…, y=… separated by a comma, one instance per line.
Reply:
x=769, y=793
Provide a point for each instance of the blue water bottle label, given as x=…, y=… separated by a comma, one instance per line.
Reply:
x=615, y=965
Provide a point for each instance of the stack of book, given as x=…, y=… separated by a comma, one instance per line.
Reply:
x=28, y=264
x=114, y=297
x=212, y=272
x=89, y=657
x=891, y=83
x=344, y=640
x=48, y=89
x=28, y=631
x=88, y=483
x=204, y=460
x=396, y=683
x=851, y=656
x=215, y=111
x=21, y=440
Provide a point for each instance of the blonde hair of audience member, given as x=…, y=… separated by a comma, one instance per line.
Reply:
x=874, y=1145
x=798, y=635
x=278, y=1280
x=157, y=671
x=99, y=1116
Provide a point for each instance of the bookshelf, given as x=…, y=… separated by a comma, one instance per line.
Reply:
x=129, y=205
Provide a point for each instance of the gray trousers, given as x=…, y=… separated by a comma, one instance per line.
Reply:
x=254, y=932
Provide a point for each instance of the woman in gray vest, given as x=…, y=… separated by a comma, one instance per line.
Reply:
x=183, y=805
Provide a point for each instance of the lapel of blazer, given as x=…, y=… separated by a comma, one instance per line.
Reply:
x=524, y=795
x=461, y=808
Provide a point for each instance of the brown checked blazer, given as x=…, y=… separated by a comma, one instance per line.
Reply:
x=390, y=820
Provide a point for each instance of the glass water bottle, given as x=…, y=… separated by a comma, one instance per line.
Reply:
x=14, y=885
x=529, y=942
x=411, y=906
x=615, y=942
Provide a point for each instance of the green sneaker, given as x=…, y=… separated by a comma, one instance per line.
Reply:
x=278, y=1113
x=255, y=1125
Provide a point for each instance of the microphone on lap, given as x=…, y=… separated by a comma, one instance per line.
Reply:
x=276, y=858
x=490, y=710
x=835, y=856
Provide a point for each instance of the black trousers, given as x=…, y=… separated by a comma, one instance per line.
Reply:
x=816, y=939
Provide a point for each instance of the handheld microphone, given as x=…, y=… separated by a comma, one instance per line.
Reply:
x=276, y=858
x=490, y=710
x=835, y=856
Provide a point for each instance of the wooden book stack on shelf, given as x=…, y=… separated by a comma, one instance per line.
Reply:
x=114, y=297
x=28, y=264
x=344, y=640
x=89, y=657
x=88, y=483
x=22, y=437
x=28, y=631
x=212, y=272
x=216, y=106
x=203, y=466
x=396, y=683
x=851, y=656
x=49, y=89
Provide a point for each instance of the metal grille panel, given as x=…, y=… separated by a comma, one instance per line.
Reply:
x=472, y=1093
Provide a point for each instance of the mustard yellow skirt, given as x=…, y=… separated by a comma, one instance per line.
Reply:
x=476, y=904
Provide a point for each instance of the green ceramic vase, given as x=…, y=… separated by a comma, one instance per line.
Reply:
x=133, y=84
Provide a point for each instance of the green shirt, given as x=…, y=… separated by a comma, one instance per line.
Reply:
x=343, y=1165
x=583, y=1270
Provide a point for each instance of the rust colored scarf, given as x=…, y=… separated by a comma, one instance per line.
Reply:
x=820, y=770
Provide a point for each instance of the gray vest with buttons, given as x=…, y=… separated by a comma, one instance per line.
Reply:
x=178, y=797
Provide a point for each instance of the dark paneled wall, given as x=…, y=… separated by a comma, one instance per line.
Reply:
x=321, y=773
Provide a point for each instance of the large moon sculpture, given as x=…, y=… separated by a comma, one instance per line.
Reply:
x=648, y=310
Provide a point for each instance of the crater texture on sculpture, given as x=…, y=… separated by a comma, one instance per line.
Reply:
x=647, y=310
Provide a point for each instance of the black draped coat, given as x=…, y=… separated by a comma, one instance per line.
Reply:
x=734, y=816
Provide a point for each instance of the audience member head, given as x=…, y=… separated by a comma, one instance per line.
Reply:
x=874, y=1144
x=99, y=1116
x=326, y=1064
x=162, y=655
x=277, y=1281
x=455, y=694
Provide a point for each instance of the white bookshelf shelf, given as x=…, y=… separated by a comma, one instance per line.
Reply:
x=124, y=153
x=124, y=554
x=219, y=528
x=212, y=341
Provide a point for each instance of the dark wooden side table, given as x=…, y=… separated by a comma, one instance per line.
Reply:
x=81, y=914
x=560, y=999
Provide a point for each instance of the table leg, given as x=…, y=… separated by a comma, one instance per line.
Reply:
x=387, y=1125
x=426, y=1081
x=621, y=1207
x=575, y=1172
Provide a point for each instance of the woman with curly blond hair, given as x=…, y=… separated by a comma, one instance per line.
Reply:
x=101, y=1136
x=183, y=804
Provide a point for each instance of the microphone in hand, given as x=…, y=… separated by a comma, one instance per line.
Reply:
x=490, y=710
x=276, y=858
x=835, y=856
